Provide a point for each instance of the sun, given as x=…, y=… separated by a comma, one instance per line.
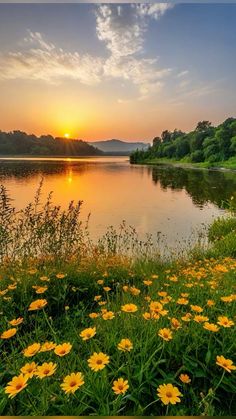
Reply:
x=67, y=135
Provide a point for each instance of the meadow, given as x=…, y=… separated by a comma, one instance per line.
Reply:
x=112, y=328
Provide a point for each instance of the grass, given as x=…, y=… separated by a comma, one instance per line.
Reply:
x=185, y=162
x=88, y=287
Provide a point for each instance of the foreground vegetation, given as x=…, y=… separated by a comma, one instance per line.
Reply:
x=86, y=330
x=206, y=146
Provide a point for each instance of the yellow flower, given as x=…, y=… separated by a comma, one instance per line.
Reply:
x=97, y=297
x=8, y=333
x=88, y=333
x=175, y=323
x=60, y=276
x=37, y=305
x=41, y=290
x=198, y=309
x=108, y=315
x=162, y=293
x=16, y=385
x=134, y=291
x=93, y=315
x=155, y=276
x=63, y=349
x=129, y=308
x=227, y=364
x=72, y=382
x=200, y=319
x=186, y=317
x=44, y=278
x=16, y=322
x=185, y=378
x=156, y=307
x=165, y=334
x=45, y=370
x=125, y=345
x=225, y=322
x=100, y=282
x=147, y=316
x=47, y=346
x=98, y=361
x=168, y=394
x=182, y=301
x=211, y=327
x=147, y=282
x=29, y=369
x=31, y=350
x=106, y=289
x=210, y=303
x=125, y=288
x=120, y=386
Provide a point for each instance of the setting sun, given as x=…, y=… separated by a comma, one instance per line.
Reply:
x=67, y=135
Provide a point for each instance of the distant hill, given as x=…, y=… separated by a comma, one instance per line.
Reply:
x=118, y=146
x=20, y=143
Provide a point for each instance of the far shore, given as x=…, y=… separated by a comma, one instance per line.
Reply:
x=229, y=165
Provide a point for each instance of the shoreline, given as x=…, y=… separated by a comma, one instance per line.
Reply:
x=187, y=165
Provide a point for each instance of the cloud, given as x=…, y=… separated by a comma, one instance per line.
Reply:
x=182, y=74
x=122, y=30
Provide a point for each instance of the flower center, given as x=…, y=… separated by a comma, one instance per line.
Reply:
x=99, y=361
x=73, y=383
x=18, y=386
x=169, y=394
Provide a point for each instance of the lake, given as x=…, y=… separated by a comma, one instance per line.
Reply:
x=174, y=201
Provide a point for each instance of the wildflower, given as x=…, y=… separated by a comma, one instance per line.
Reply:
x=29, y=369
x=88, y=333
x=168, y=394
x=155, y=276
x=16, y=322
x=31, y=350
x=47, y=346
x=147, y=282
x=210, y=303
x=182, y=301
x=16, y=385
x=44, y=278
x=125, y=345
x=186, y=317
x=125, y=288
x=211, y=327
x=165, y=334
x=108, y=315
x=46, y=369
x=98, y=361
x=120, y=386
x=224, y=321
x=102, y=303
x=227, y=299
x=100, y=282
x=175, y=323
x=162, y=293
x=227, y=364
x=129, y=308
x=156, y=307
x=147, y=316
x=60, y=276
x=93, y=315
x=63, y=349
x=72, y=382
x=8, y=333
x=97, y=297
x=134, y=291
x=106, y=289
x=185, y=378
x=41, y=290
x=200, y=319
x=37, y=305
x=198, y=309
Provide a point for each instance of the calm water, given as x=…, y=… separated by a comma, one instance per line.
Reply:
x=173, y=201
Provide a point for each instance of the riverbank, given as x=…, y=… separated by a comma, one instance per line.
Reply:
x=226, y=165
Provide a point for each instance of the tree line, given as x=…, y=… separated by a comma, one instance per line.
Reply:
x=205, y=143
x=20, y=143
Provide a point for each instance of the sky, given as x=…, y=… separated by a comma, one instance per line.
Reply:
x=126, y=71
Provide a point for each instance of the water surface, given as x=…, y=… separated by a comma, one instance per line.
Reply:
x=173, y=201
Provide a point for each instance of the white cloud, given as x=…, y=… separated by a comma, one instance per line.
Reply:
x=182, y=74
x=122, y=30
